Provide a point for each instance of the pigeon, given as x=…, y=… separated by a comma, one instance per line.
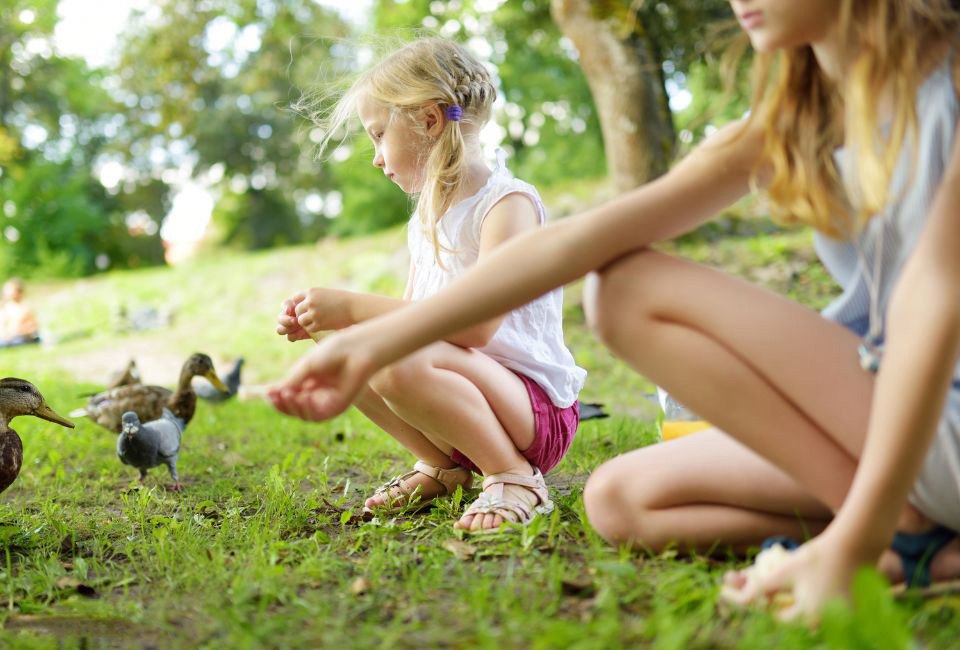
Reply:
x=206, y=391
x=149, y=444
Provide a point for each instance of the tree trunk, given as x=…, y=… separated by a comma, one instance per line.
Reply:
x=627, y=87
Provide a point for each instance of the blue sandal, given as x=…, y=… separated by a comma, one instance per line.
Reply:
x=787, y=543
x=917, y=550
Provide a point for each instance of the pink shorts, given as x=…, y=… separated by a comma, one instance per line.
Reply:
x=553, y=430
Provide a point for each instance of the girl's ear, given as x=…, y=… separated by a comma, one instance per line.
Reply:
x=432, y=120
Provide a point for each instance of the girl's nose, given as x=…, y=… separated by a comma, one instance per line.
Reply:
x=378, y=160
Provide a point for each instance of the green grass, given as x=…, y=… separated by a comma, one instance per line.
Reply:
x=264, y=547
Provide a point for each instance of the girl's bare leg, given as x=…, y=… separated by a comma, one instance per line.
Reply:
x=373, y=406
x=463, y=399
x=782, y=379
x=697, y=491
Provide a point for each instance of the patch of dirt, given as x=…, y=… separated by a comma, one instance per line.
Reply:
x=156, y=363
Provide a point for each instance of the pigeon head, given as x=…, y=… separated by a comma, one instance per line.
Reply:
x=129, y=423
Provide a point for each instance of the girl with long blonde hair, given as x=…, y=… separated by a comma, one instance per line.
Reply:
x=843, y=424
x=499, y=397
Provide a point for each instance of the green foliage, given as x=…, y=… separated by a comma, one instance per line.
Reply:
x=872, y=621
x=256, y=219
x=59, y=219
x=215, y=80
x=370, y=202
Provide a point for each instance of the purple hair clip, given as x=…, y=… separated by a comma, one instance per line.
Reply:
x=454, y=113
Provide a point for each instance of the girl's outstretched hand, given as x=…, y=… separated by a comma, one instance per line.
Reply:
x=795, y=585
x=307, y=313
x=325, y=381
x=287, y=323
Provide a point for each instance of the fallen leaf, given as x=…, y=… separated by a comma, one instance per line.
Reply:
x=360, y=586
x=460, y=549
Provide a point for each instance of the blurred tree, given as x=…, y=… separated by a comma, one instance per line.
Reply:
x=626, y=49
x=54, y=120
x=206, y=84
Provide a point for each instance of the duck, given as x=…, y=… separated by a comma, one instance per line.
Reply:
x=19, y=397
x=107, y=408
x=128, y=376
x=231, y=380
x=148, y=444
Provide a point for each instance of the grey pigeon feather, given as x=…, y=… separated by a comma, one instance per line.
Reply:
x=149, y=444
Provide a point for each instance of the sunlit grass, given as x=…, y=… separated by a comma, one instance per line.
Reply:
x=264, y=547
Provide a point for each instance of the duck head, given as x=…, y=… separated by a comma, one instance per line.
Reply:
x=201, y=365
x=20, y=397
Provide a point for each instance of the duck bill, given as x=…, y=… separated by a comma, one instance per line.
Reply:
x=47, y=413
x=213, y=379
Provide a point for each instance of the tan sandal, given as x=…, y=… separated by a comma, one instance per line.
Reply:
x=512, y=510
x=410, y=501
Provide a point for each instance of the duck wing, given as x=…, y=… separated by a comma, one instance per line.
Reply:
x=107, y=408
x=11, y=457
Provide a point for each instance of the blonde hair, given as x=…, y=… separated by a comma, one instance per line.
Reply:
x=805, y=116
x=426, y=72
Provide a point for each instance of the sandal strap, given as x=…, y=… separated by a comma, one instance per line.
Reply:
x=533, y=482
x=394, y=482
x=916, y=551
x=487, y=502
x=450, y=478
x=492, y=501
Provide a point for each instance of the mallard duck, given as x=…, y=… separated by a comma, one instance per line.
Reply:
x=231, y=380
x=19, y=397
x=148, y=444
x=128, y=376
x=148, y=402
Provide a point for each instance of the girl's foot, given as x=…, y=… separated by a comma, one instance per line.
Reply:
x=507, y=497
x=417, y=489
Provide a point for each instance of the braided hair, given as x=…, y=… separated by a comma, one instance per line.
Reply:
x=424, y=73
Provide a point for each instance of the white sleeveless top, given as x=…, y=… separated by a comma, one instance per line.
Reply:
x=530, y=339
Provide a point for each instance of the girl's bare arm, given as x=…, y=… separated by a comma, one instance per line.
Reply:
x=923, y=343
x=712, y=177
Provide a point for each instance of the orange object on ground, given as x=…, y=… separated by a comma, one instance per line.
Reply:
x=670, y=429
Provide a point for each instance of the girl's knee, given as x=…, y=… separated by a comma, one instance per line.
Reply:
x=616, y=503
x=610, y=507
x=616, y=299
x=401, y=378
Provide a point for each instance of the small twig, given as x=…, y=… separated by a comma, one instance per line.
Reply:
x=945, y=588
